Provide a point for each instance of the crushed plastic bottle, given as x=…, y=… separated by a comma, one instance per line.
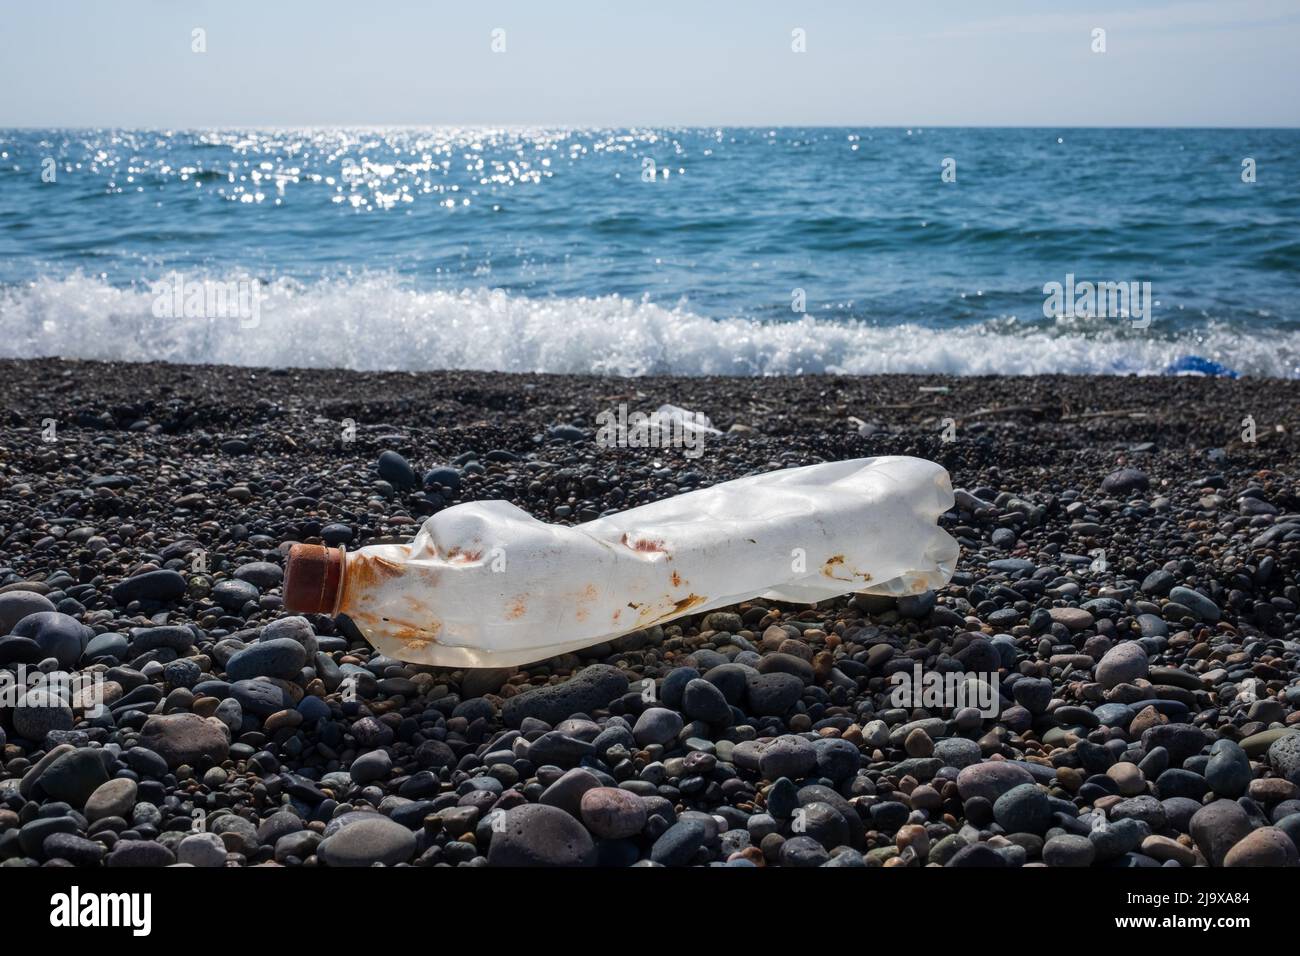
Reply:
x=484, y=584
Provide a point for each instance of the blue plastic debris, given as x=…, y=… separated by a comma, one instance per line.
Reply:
x=1197, y=365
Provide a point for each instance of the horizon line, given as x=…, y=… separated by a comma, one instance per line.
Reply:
x=628, y=126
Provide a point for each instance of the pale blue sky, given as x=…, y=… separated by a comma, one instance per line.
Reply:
x=702, y=62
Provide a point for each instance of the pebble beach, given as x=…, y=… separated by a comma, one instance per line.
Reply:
x=1128, y=587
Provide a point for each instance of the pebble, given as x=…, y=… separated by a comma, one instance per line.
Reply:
x=160, y=586
x=186, y=738
x=366, y=842
x=1217, y=827
x=260, y=698
x=1004, y=538
x=40, y=712
x=74, y=776
x=1069, y=850
x=611, y=813
x=109, y=644
x=142, y=853
x=773, y=694
x=369, y=767
x=1125, y=481
x=262, y=575
x=280, y=657
x=1115, y=838
x=1256, y=745
x=1284, y=755
x=977, y=855
x=182, y=673
x=837, y=759
x=202, y=849
x=657, y=725
x=16, y=605
x=538, y=835
x=294, y=628
x=1144, y=808
x=232, y=594
x=395, y=470
x=57, y=635
x=1180, y=740
x=803, y=851
x=1196, y=602
x=299, y=846
x=278, y=825
x=1032, y=694
x=1163, y=848
x=112, y=798
x=991, y=780
x=787, y=756
x=1267, y=846
x=679, y=844
x=567, y=792
x=702, y=700
x=75, y=849
x=1158, y=583
x=178, y=639
x=1228, y=770
x=230, y=713
x=590, y=690
x=1073, y=618
x=1128, y=779
x=1023, y=809
x=1122, y=664
x=336, y=534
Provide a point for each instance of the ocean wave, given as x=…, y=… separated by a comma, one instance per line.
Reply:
x=377, y=322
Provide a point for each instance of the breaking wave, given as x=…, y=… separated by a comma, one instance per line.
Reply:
x=378, y=323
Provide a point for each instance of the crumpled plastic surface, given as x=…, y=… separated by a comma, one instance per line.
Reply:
x=484, y=584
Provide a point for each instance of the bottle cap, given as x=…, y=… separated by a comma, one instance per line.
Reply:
x=313, y=578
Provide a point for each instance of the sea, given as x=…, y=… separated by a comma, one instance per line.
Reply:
x=657, y=251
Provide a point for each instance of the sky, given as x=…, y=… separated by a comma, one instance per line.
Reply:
x=131, y=63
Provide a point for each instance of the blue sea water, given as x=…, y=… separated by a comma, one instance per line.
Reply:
x=652, y=251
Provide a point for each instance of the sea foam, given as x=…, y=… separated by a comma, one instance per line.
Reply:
x=376, y=322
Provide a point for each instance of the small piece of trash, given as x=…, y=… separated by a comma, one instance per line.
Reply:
x=696, y=422
x=865, y=429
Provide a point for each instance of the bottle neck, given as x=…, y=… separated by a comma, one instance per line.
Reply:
x=313, y=579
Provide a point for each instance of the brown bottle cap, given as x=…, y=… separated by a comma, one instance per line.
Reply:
x=313, y=577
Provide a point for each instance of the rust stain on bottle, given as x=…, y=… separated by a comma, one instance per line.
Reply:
x=835, y=563
x=461, y=556
x=585, y=598
x=645, y=546
x=365, y=571
x=649, y=614
x=688, y=602
x=414, y=635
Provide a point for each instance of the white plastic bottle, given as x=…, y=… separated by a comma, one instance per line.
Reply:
x=484, y=584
